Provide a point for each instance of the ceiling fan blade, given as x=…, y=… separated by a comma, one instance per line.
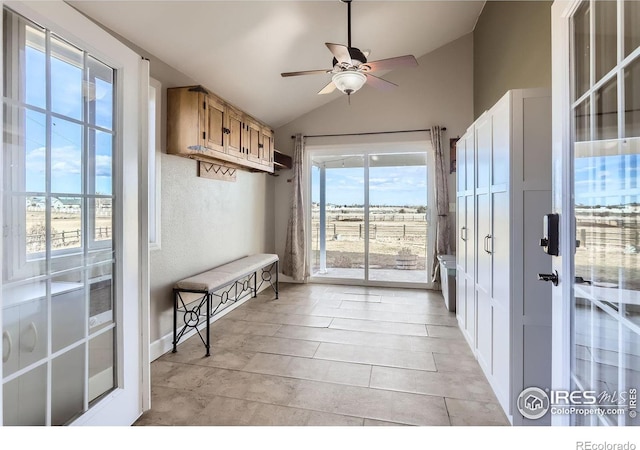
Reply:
x=393, y=63
x=341, y=52
x=328, y=89
x=305, y=72
x=379, y=83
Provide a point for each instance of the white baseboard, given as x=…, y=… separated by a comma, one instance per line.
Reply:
x=165, y=343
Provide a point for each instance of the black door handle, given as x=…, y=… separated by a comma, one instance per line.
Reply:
x=553, y=277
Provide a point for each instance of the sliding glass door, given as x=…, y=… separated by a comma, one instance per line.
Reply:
x=370, y=217
x=398, y=217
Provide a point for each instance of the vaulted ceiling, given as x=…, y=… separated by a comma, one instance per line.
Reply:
x=238, y=49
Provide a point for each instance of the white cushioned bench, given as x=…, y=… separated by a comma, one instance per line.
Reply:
x=228, y=282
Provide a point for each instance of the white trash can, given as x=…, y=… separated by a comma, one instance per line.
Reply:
x=448, y=280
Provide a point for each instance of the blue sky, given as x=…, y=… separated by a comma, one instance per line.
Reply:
x=66, y=136
x=611, y=174
x=392, y=186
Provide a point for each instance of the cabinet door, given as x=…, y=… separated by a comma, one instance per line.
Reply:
x=252, y=144
x=484, y=331
x=461, y=165
x=266, y=147
x=469, y=151
x=470, y=303
x=461, y=298
x=500, y=247
x=235, y=132
x=10, y=340
x=501, y=146
x=483, y=152
x=68, y=316
x=24, y=399
x=500, y=354
x=462, y=231
x=33, y=332
x=215, y=124
x=470, y=235
x=484, y=269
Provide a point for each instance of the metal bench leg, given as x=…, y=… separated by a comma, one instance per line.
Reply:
x=208, y=322
x=277, y=270
x=175, y=320
x=255, y=284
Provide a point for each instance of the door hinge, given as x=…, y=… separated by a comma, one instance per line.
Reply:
x=204, y=135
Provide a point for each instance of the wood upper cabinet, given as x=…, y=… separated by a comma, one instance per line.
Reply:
x=235, y=132
x=215, y=124
x=252, y=142
x=201, y=126
x=266, y=147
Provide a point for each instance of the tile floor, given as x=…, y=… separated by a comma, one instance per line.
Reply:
x=326, y=355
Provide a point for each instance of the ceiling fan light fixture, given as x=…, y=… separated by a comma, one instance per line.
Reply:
x=349, y=81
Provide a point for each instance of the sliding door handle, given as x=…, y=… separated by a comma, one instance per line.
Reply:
x=463, y=233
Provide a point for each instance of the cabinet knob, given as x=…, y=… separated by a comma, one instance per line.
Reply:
x=34, y=331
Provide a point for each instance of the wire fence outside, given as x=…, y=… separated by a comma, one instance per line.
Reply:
x=36, y=241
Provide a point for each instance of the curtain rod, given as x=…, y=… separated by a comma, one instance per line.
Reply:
x=365, y=134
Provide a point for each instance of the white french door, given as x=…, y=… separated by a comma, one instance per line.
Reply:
x=70, y=297
x=596, y=91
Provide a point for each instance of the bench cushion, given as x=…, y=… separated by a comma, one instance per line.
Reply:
x=222, y=275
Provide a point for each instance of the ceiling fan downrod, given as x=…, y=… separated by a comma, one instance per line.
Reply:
x=348, y=2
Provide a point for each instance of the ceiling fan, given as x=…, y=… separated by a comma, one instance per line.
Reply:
x=351, y=70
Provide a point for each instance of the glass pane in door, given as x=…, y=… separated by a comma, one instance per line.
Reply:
x=605, y=37
x=631, y=26
x=58, y=249
x=581, y=49
x=605, y=304
x=337, y=216
x=398, y=217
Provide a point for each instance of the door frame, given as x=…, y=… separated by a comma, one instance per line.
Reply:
x=367, y=149
x=562, y=200
x=123, y=405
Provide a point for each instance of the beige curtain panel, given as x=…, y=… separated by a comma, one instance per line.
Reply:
x=294, y=262
x=442, y=203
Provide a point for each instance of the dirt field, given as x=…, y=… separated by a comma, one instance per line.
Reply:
x=65, y=230
x=345, y=243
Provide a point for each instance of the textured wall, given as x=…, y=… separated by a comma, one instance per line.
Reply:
x=511, y=50
x=204, y=223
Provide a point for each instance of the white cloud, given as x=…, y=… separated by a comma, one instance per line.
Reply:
x=35, y=159
x=103, y=165
x=66, y=160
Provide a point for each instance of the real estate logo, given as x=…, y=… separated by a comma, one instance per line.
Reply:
x=533, y=403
